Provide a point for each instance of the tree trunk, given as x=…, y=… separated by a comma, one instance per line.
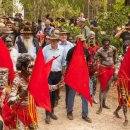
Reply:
x=127, y=2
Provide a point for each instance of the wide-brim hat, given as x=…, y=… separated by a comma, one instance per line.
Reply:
x=54, y=37
x=26, y=30
x=63, y=32
x=5, y=31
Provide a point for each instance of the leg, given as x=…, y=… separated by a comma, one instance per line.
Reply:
x=66, y=94
x=57, y=96
x=71, y=96
x=101, y=94
x=85, y=110
x=116, y=111
x=53, y=79
x=125, y=114
x=84, y=107
x=48, y=114
x=94, y=84
x=56, y=79
x=106, y=93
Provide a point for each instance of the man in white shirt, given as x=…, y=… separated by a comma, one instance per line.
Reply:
x=67, y=46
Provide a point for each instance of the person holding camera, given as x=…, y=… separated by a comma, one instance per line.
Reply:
x=124, y=33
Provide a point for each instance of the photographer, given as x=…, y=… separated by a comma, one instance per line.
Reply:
x=124, y=33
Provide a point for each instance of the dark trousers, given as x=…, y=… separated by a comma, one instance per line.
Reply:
x=1, y=125
x=66, y=94
x=54, y=79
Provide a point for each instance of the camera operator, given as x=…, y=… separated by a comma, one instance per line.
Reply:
x=124, y=33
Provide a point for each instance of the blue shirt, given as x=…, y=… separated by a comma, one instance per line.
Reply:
x=67, y=46
x=58, y=63
x=51, y=29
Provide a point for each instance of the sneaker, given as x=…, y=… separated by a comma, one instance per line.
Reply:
x=70, y=116
x=87, y=119
x=54, y=117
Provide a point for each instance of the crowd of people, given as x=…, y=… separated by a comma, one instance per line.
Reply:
x=23, y=39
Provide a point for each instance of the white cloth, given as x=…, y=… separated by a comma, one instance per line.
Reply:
x=14, y=55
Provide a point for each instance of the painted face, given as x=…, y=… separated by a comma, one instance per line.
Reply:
x=106, y=45
x=30, y=67
x=92, y=41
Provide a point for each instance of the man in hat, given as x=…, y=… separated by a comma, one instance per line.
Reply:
x=92, y=66
x=107, y=56
x=72, y=93
x=67, y=46
x=57, y=70
x=5, y=32
x=26, y=43
x=124, y=33
x=13, y=52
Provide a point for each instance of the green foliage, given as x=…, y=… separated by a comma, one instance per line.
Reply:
x=7, y=6
x=56, y=8
x=72, y=29
x=109, y=21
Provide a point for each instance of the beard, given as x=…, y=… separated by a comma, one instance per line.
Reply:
x=28, y=43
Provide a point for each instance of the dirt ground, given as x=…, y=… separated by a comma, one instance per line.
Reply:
x=104, y=121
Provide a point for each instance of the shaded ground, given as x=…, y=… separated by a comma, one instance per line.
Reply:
x=105, y=121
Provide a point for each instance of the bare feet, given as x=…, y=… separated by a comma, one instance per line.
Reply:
x=94, y=101
x=125, y=123
x=99, y=111
x=116, y=115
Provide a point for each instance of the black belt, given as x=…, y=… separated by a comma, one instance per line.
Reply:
x=54, y=72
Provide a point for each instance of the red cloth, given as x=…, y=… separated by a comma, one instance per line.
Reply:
x=5, y=60
x=105, y=74
x=77, y=76
x=92, y=68
x=124, y=79
x=8, y=115
x=38, y=85
x=124, y=71
x=23, y=115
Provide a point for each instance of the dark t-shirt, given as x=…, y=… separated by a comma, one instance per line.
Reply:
x=1, y=125
x=70, y=53
x=125, y=36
